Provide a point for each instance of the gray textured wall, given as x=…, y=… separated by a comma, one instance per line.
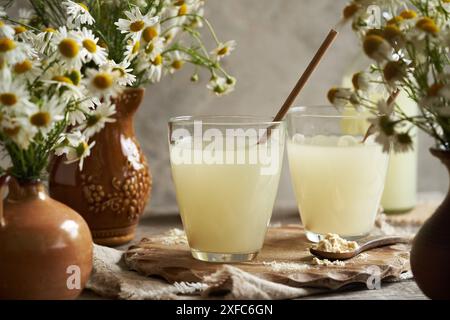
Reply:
x=275, y=39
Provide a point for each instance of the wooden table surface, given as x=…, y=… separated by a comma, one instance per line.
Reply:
x=158, y=223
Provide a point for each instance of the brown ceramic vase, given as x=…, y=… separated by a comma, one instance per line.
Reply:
x=430, y=254
x=45, y=246
x=113, y=188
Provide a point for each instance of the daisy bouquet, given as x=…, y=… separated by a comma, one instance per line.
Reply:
x=145, y=39
x=408, y=43
x=46, y=106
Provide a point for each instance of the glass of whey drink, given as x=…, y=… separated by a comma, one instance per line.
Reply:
x=338, y=179
x=226, y=172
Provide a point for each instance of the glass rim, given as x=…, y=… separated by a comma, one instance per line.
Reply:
x=297, y=112
x=225, y=120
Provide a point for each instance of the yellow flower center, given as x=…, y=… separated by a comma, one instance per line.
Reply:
x=137, y=26
x=49, y=30
x=120, y=71
x=177, y=64
x=81, y=149
x=158, y=60
x=75, y=77
x=23, y=66
x=63, y=79
x=372, y=45
x=428, y=25
x=393, y=34
x=7, y=44
x=11, y=132
x=350, y=10
x=183, y=9
x=408, y=14
x=395, y=20
x=223, y=51
x=332, y=94
x=136, y=47
x=8, y=99
x=149, y=48
x=355, y=80
x=149, y=33
x=19, y=29
x=40, y=119
x=69, y=48
x=103, y=81
x=90, y=45
x=83, y=6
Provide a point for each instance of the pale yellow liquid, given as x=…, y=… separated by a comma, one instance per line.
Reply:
x=225, y=208
x=338, y=188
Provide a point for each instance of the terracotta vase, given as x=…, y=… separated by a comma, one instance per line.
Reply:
x=430, y=254
x=45, y=247
x=113, y=188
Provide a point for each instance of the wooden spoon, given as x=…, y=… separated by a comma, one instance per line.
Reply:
x=369, y=243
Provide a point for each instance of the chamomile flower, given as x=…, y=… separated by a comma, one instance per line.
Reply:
x=132, y=49
x=19, y=131
x=91, y=50
x=69, y=48
x=151, y=32
x=103, y=83
x=221, y=86
x=136, y=23
x=44, y=117
x=224, y=49
x=122, y=71
x=75, y=147
x=27, y=69
x=98, y=118
x=78, y=13
x=6, y=30
x=339, y=97
x=154, y=48
x=384, y=129
x=14, y=96
x=175, y=61
x=155, y=71
x=13, y=51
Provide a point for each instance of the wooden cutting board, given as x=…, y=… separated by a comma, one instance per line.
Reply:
x=284, y=259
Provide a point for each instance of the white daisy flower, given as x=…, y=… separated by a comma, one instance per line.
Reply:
x=224, y=49
x=136, y=23
x=75, y=147
x=27, y=69
x=132, y=49
x=14, y=96
x=123, y=72
x=91, y=50
x=151, y=32
x=103, y=83
x=44, y=117
x=19, y=131
x=221, y=86
x=155, y=71
x=175, y=61
x=154, y=48
x=78, y=13
x=98, y=118
x=6, y=30
x=339, y=97
x=69, y=47
x=13, y=51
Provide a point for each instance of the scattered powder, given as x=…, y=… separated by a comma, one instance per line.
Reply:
x=286, y=266
x=362, y=256
x=174, y=236
x=333, y=243
x=327, y=263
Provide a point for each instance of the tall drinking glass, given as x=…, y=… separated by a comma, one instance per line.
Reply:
x=338, y=179
x=226, y=172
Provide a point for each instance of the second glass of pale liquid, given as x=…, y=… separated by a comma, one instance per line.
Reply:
x=226, y=172
x=338, y=179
